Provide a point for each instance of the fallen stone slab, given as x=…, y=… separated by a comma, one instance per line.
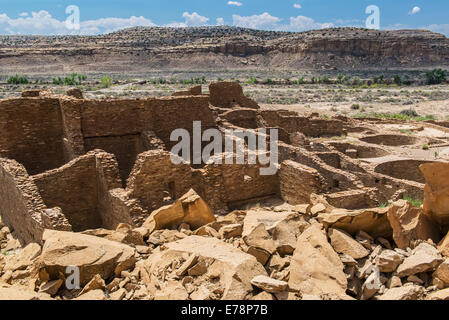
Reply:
x=439, y=295
x=442, y=272
x=231, y=268
x=343, y=243
x=410, y=223
x=269, y=284
x=410, y=292
x=24, y=258
x=92, y=255
x=388, y=260
x=372, y=221
x=190, y=209
x=316, y=268
x=424, y=258
x=21, y=293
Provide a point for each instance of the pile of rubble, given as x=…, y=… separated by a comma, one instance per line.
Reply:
x=269, y=251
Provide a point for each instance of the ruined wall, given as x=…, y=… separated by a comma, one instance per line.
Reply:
x=244, y=118
x=31, y=133
x=119, y=126
x=73, y=135
x=310, y=127
x=112, y=206
x=351, y=199
x=155, y=181
x=403, y=169
x=298, y=182
x=171, y=113
x=238, y=183
x=73, y=188
x=21, y=206
x=125, y=148
x=229, y=95
x=336, y=179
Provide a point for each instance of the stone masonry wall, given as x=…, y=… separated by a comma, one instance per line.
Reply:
x=21, y=205
x=73, y=188
x=298, y=182
x=155, y=181
x=31, y=133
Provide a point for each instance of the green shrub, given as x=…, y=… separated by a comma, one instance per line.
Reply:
x=18, y=79
x=410, y=113
x=106, y=82
x=397, y=79
x=416, y=202
x=74, y=79
x=436, y=76
x=252, y=80
x=340, y=77
x=355, y=107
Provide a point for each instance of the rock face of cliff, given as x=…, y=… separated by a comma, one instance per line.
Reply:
x=145, y=49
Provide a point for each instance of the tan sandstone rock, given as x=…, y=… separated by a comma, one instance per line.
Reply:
x=436, y=191
x=410, y=223
x=410, y=292
x=260, y=243
x=342, y=242
x=21, y=293
x=24, y=258
x=372, y=221
x=439, y=295
x=316, y=268
x=388, y=261
x=424, y=258
x=92, y=255
x=269, y=284
x=231, y=268
x=442, y=272
x=190, y=208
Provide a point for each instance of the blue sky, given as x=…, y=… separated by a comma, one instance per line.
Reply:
x=100, y=16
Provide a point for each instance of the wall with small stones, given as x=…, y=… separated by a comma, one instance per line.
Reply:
x=229, y=95
x=21, y=205
x=74, y=188
x=156, y=181
x=309, y=126
x=31, y=133
x=298, y=182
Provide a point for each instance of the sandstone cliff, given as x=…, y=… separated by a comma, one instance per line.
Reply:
x=144, y=49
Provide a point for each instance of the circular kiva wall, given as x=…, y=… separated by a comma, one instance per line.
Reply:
x=363, y=151
x=403, y=169
x=391, y=140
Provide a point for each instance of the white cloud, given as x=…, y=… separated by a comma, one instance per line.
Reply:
x=42, y=23
x=107, y=25
x=220, y=22
x=415, y=10
x=194, y=19
x=301, y=23
x=23, y=14
x=297, y=6
x=440, y=28
x=267, y=21
x=235, y=3
x=262, y=21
